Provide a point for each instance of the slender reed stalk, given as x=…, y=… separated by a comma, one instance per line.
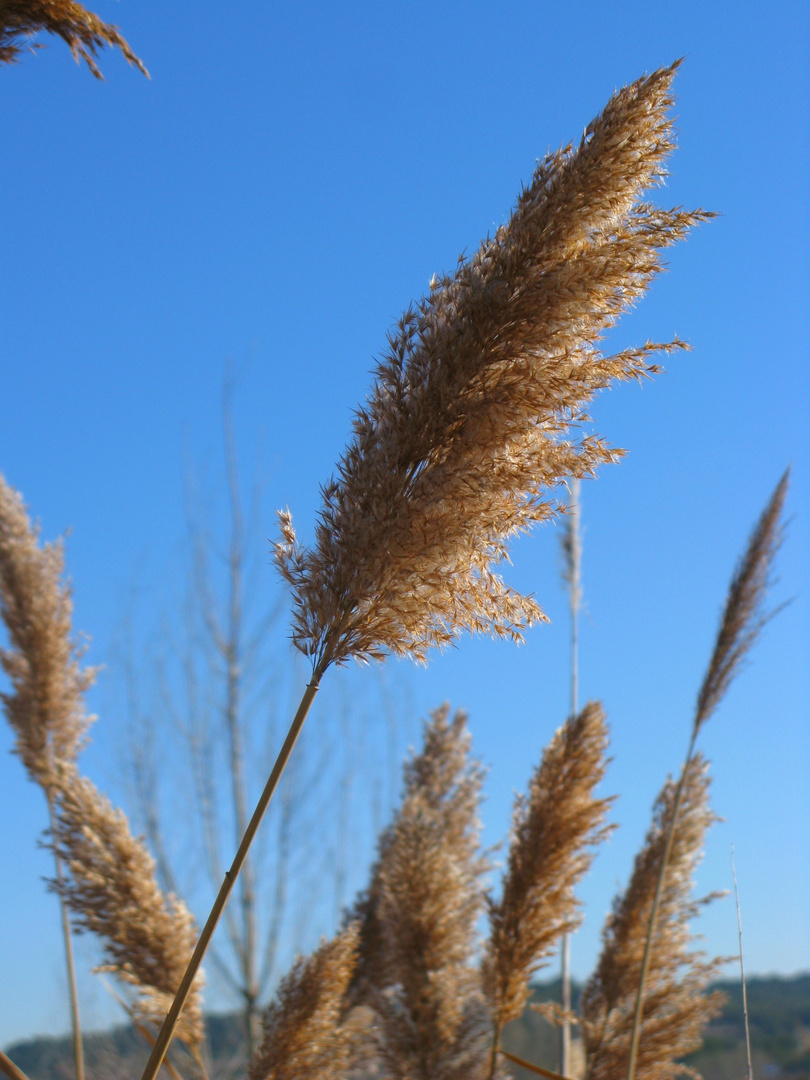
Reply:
x=572, y=575
x=46, y=708
x=79, y=28
x=75, y=1020
x=144, y=1031
x=173, y=1016
x=742, y=970
x=537, y=1069
x=474, y=416
x=742, y=622
x=677, y=1004
x=9, y=1069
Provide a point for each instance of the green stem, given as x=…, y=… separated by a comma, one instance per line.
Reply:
x=172, y=1017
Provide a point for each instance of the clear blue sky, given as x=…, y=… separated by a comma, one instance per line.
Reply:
x=288, y=180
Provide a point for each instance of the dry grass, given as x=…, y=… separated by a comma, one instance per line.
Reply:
x=79, y=28
x=105, y=876
x=740, y=626
x=418, y=918
x=46, y=707
x=303, y=1033
x=426, y=1001
x=473, y=421
x=473, y=417
x=676, y=1004
x=112, y=892
x=409, y=991
x=554, y=833
x=744, y=614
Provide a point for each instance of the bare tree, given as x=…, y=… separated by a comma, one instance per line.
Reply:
x=210, y=685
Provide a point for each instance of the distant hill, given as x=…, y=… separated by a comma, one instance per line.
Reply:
x=778, y=1009
x=778, y=1016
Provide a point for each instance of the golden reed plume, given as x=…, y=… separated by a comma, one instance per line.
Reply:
x=104, y=875
x=554, y=832
x=80, y=29
x=676, y=1003
x=473, y=417
x=473, y=420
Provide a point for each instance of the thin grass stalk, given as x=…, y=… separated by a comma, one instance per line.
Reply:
x=173, y=1015
x=9, y=1069
x=143, y=1030
x=742, y=970
x=645, y=963
x=572, y=550
x=741, y=624
x=538, y=1069
x=75, y=1020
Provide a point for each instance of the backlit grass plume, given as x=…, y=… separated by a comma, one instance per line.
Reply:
x=80, y=29
x=554, y=831
x=112, y=891
x=472, y=419
x=304, y=1038
x=442, y=793
x=676, y=1003
x=46, y=705
x=103, y=874
x=418, y=920
x=742, y=621
x=744, y=614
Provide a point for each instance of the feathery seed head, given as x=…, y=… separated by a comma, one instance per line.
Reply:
x=418, y=917
x=743, y=614
x=79, y=28
x=552, y=831
x=473, y=418
x=46, y=708
x=111, y=889
x=676, y=1005
x=304, y=1038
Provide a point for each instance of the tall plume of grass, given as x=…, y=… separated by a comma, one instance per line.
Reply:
x=474, y=418
x=743, y=620
x=482, y=386
x=553, y=835
x=676, y=1004
x=418, y=918
x=46, y=706
x=103, y=875
x=425, y=1002
x=112, y=891
x=304, y=1037
x=82, y=31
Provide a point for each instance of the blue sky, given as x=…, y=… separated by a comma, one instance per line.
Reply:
x=274, y=197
